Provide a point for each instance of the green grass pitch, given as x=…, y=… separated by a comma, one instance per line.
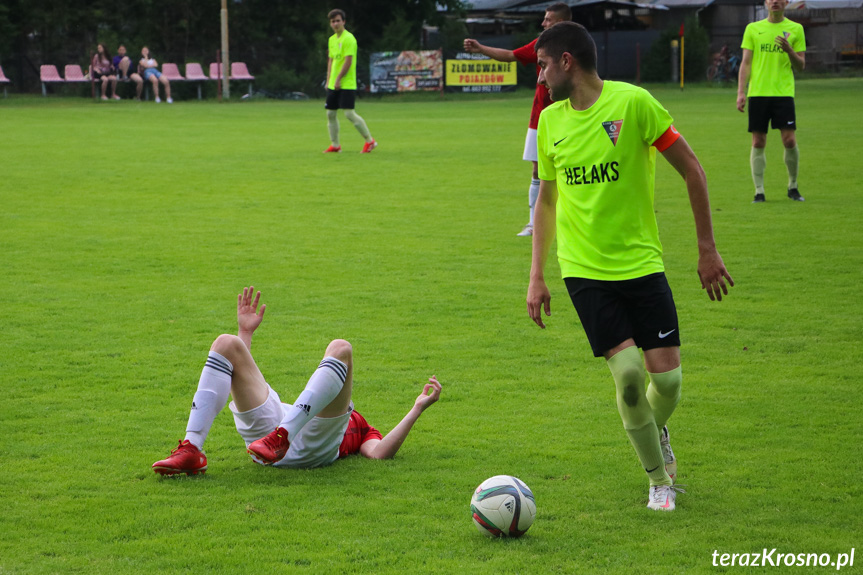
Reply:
x=127, y=229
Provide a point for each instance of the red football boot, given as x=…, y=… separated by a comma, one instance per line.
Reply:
x=271, y=448
x=369, y=146
x=186, y=459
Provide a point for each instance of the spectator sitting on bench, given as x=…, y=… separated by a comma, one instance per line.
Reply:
x=126, y=70
x=102, y=70
x=150, y=71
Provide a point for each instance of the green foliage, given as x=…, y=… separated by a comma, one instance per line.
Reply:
x=276, y=79
x=7, y=33
x=453, y=32
x=657, y=63
x=116, y=283
x=527, y=74
x=398, y=34
x=262, y=33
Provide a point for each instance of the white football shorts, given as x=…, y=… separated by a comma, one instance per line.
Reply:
x=315, y=445
x=530, y=146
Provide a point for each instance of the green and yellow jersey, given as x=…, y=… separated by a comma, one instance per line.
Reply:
x=603, y=160
x=772, y=74
x=339, y=48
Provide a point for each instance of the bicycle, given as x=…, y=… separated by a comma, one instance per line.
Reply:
x=725, y=66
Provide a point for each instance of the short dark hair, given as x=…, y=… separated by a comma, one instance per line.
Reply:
x=569, y=37
x=336, y=12
x=563, y=11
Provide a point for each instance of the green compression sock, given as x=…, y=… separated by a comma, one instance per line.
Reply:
x=637, y=416
x=792, y=160
x=758, y=161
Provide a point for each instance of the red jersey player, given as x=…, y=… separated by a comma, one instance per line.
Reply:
x=318, y=428
x=555, y=13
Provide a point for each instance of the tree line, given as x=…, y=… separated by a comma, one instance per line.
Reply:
x=282, y=41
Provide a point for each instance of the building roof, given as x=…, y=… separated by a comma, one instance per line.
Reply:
x=541, y=5
x=824, y=4
x=491, y=4
x=684, y=3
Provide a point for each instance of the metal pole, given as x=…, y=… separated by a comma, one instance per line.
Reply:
x=226, y=67
x=219, y=74
x=675, y=69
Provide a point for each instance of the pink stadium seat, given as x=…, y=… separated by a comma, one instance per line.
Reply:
x=171, y=72
x=194, y=73
x=73, y=73
x=239, y=71
x=47, y=74
x=215, y=71
x=3, y=80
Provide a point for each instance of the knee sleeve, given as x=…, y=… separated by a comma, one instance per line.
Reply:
x=667, y=384
x=628, y=372
x=663, y=394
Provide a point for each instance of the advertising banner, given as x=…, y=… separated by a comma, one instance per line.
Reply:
x=466, y=72
x=406, y=71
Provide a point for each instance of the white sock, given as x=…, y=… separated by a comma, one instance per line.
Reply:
x=359, y=124
x=792, y=158
x=333, y=126
x=532, y=195
x=758, y=161
x=322, y=388
x=214, y=387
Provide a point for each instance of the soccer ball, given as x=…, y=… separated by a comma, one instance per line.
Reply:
x=503, y=506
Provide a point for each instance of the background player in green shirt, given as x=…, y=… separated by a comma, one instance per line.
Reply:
x=596, y=147
x=772, y=49
x=342, y=83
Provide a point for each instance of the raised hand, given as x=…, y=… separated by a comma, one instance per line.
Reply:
x=429, y=395
x=249, y=317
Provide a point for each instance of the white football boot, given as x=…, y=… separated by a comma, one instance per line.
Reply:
x=668, y=455
x=662, y=497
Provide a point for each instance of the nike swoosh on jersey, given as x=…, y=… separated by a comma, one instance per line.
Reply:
x=666, y=334
x=560, y=140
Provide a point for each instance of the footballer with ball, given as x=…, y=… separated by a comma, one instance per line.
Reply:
x=597, y=145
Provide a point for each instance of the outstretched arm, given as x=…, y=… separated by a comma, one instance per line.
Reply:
x=249, y=317
x=711, y=269
x=499, y=54
x=387, y=447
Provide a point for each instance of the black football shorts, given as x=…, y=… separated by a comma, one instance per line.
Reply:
x=613, y=311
